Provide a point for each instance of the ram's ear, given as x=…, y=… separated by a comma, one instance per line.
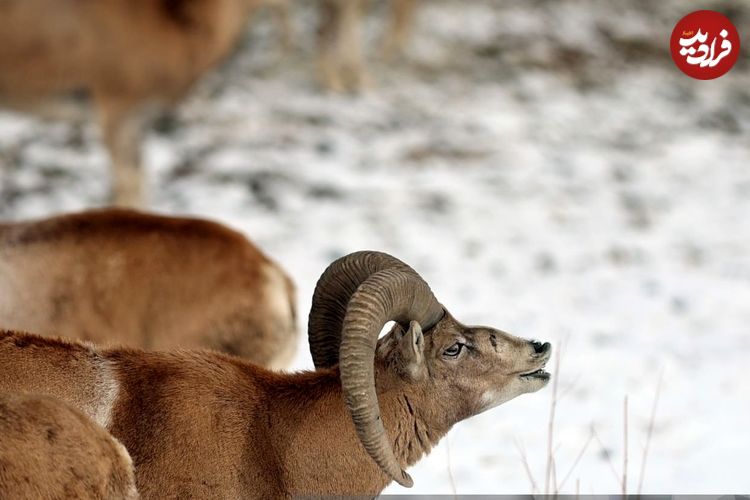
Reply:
x=388, y=343
x=411, y=349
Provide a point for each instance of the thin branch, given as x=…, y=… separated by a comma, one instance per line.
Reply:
x=606, y=455
x=551, y=423
x=650, y=430
x=625, y=449
x=554, y=476
x=578, y=459
x=451, y=480
x=525, y=461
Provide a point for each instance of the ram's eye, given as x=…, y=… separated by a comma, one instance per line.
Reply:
x=454, y=350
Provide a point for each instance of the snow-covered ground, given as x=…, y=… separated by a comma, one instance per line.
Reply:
x=548, y=171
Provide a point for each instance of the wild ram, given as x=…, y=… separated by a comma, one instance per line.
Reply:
x=49, y=449
x=205, y=425
x=128, y=278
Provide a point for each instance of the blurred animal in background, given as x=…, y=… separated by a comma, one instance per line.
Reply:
x=122, y=277
x=49, y=449
x=282, y=13
x=133, y=58
x=199, y=424
x=341, y=60
x=403, y=16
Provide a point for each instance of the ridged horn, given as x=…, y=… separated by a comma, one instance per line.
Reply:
x=335, y=287
x=388, y=295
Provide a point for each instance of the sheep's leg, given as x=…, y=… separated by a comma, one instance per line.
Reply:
x=122, y=127
x=350, y=49
x=401, y=21
x=327, y=34
x=341, y=62
x=283, y=19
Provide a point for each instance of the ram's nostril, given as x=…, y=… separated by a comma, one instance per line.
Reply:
x=540, y=348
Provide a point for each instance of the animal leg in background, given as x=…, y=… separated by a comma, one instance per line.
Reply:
x=402, y=15
x=122, y=125
x=340, y=55
x=282, y=15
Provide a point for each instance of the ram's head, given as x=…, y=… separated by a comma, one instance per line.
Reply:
x=470, y=368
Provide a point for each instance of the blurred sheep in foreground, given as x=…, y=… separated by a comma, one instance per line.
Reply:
x=48, y=449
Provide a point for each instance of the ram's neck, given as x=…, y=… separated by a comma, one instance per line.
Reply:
x=316, y=443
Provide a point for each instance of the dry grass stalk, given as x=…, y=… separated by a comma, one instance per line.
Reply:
x=606, y=455
x=578, y=459
x=551, y=486
x=527, y=468
x=451, y=480
x=551, y=425
x=625, y=449
x=650, y=431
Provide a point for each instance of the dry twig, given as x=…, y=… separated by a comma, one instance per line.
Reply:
x=451, y=480
x=650, y=431
x=525, y=461
x=606, y=454
x=578, y=459
x=625, y=449
x=551, y=424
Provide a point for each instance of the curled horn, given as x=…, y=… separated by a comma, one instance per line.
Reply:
x=386, y=295
x=354, y=298
x=335, y=287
